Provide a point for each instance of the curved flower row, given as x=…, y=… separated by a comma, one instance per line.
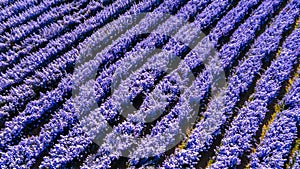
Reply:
x=42, y=80
x=15, y=8
x=179, y=52
x=57, y=46
x=39, y=127
x=213, y=12
x=275, y=147
x=104, y=80
x=24, y=154
x=201, y=141
x=160, y=40
x=61, y=61
x=261, y=53
x=155, y=40
x=14, y=131
x=47, y=33
x=21, y=95
x=292, y=99
x=34, y=111
x=231, y=20
x=56, y=13
x=182, y=110
x=73, y=154
x=28, y=85
x=240, y=136
x=26, y=15
x=175, y=48
x=245, y=33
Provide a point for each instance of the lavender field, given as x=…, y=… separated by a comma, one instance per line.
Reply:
x=150, y=84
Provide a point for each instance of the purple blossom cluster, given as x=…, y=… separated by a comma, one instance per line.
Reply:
x=14, y=8
x=232, y=19
x=34, y=111
x=240, y=136
x=42, y=79
x=28, y=14
x=292, y=99
x=244, y=34
x=274, y=149
x=178, y=50
x=29, y=149
x=297, y=161
x=212, y=13
x=190, y=154
x=176, y=116
x=54, y=14
x=155, y=99
x=104, y=94
x=109, y=116
x=259, y=55
x=56, y=46
x=53, y=27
